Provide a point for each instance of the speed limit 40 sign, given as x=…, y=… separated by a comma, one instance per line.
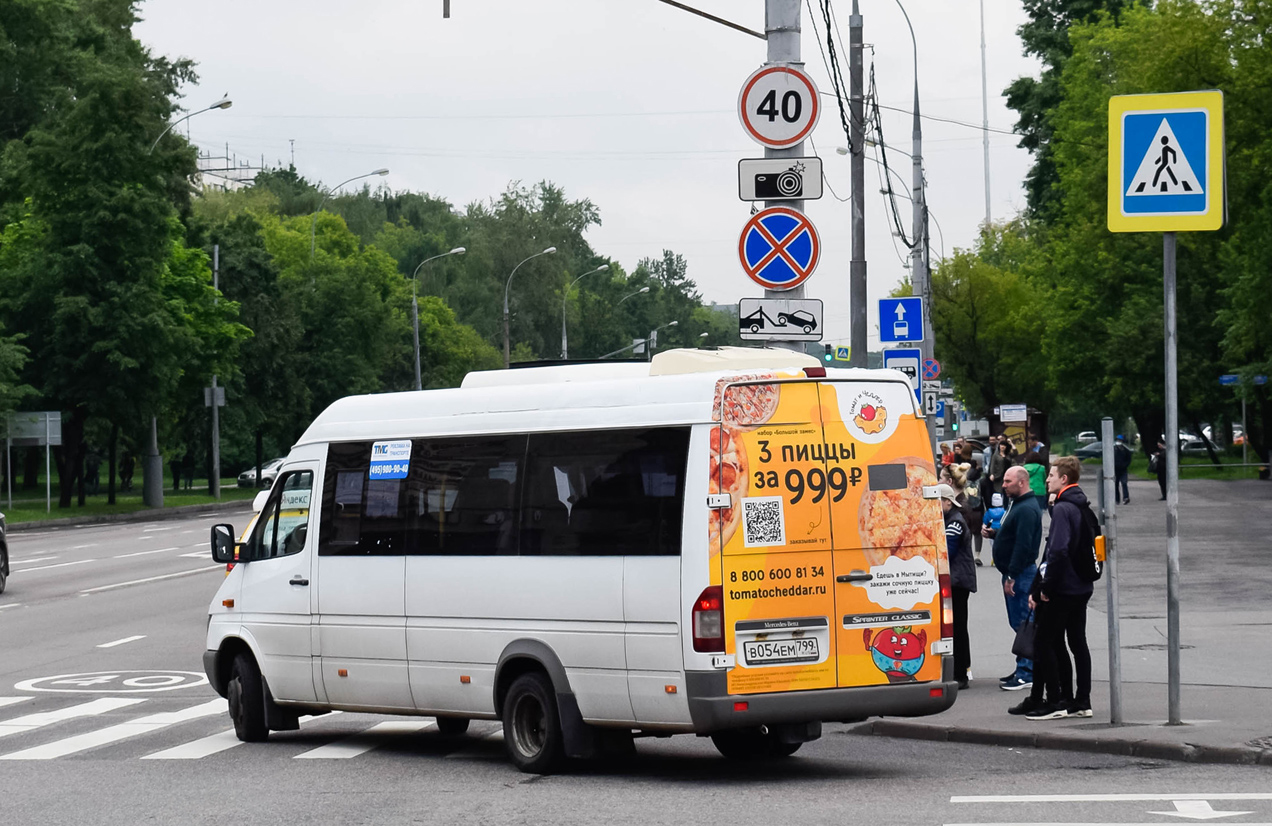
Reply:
x=778, y=106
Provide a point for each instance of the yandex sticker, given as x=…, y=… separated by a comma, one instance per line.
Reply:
x=829, y=549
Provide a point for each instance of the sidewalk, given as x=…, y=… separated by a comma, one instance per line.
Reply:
x=147, y=515
x=1226, y=639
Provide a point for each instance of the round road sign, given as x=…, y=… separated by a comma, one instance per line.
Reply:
x=779, y=248
x=931, y=369
x=778, y=106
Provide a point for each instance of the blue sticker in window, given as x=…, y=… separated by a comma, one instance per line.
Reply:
x=390, y=460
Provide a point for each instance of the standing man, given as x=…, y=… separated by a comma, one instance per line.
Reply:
x=958, y=540
x=1060, y=597
x=991, y=447
x=1036, y=445
x=1161, y=466
x=1122, y=454
x=1016, y=556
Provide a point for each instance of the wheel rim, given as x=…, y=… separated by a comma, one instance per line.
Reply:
x=529, y=726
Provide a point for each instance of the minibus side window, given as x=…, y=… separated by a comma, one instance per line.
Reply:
x=284, y=526
x=462, y=495
x=360, y=516
x=604, y=493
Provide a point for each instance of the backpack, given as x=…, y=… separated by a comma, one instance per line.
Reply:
x=972, y=496
x=1087, y=557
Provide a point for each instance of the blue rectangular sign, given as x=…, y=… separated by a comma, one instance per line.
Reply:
x=900, y=319
x=1228, y=379
x=907, y=361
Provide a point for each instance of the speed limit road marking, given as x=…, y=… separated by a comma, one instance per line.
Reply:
x=778, y=106
x=114, y=682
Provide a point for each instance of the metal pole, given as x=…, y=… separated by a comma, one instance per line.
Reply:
x=152, y=488
x=48, y=468
x=8, y=467
x=857, y=266
x=216, y=411
x=565, y=344
x=415, y=320
x=985, y=110
x=782, y=32
x=1108, y=487
x=1172, y=485
x=1245, y=440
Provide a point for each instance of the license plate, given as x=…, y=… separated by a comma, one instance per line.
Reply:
x=767, y=652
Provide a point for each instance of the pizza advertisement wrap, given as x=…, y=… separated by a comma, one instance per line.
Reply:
x=825, y=483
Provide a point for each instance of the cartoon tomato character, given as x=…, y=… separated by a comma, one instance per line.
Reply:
x=871, y=418
x=898, y=652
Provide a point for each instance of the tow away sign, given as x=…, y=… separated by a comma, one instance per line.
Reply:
x=783, y=319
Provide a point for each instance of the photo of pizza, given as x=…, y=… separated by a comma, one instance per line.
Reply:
x=729, y=472
x=746, y=406
x=901, y=522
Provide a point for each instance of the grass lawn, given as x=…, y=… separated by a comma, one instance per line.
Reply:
x=29, y=505
x=1193, y=466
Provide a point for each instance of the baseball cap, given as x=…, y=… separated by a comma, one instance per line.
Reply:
x=947, y=492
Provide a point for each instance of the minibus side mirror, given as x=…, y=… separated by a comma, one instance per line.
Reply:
x=223, y=543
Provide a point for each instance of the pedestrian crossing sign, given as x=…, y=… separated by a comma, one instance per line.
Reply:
x=1166, y=162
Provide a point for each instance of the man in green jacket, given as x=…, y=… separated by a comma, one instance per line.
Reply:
x=1016, y=558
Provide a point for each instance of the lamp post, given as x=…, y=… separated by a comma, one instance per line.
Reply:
x=652, y=341
x=415, y=308
x=223, y=103
x=507, y=287
x=152, y=471
x=641, y=291
x=313, y=225
x=652, y=333
x=565, y=347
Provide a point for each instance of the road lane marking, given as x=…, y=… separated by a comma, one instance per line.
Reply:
x=31, y=561
x=18, y=725
x=10, y=605
x=9, y=701
x=206, y=746
x=58, y=565
x=1107, y=798
x=365, y=741
x=121, y=642
x=195, y=555
x=81, y=547
x=144, y=553
x=1068, y=823
x=100, y=588
x=122, y=731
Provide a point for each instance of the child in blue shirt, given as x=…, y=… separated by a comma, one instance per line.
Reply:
x=994, y=514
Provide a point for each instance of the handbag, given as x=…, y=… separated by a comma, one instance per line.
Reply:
x=1023, y=645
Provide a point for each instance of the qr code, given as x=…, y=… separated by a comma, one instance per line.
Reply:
x=762, y=521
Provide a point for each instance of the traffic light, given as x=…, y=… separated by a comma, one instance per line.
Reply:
x=829, y=355
x=954, y=424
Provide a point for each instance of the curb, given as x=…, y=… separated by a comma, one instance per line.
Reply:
x=1124, y=746
x=149, y=515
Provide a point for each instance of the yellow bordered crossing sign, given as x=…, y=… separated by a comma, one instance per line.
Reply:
x=1166, y=162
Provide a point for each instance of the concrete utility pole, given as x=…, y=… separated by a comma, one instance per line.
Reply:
x=781, y=29
x=857, y=267
x=985, y=111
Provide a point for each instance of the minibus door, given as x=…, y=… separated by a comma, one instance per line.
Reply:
x=888, y=538
x=774, y=541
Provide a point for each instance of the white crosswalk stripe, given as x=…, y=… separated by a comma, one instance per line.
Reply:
x=365, y=741
x=212, y=744
x=122, y=731
x=30, y=722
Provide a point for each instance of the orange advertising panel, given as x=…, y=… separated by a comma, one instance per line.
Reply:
x=827, y=549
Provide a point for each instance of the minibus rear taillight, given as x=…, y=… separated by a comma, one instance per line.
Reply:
x=708, y=620
x=947, y=607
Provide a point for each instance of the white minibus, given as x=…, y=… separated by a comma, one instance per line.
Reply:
x=734, y=543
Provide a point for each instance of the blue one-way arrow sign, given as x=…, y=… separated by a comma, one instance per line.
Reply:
x=900, y=319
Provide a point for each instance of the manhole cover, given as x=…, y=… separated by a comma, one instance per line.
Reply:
x=1154, y=646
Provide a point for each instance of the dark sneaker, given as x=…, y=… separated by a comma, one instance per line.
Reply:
x=1080, y=709
x=1048, y=711
x=1026, y=706
x=1015, y=684
x=963, y=685
x=1008, y=678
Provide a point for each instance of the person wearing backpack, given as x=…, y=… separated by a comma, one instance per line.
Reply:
x=958, y=539
x=1059, y=598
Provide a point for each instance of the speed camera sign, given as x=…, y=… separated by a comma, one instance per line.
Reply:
x=778, y=106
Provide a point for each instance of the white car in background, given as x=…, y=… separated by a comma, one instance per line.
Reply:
x=247, y=479
x=1086, y=437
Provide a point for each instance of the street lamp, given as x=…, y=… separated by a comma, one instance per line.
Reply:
x=508, y=286
x=565, y=348
x=223, y=103
x=653, y=339
x=415, y=308
x=641, y=341
x=313, y=225
x=641, y=291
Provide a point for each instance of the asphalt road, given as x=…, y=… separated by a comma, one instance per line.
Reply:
x=104, y=718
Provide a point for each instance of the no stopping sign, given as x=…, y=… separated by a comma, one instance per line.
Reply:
x=778, y=106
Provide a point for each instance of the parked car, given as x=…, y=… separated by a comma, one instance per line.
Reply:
x=1086, y=437
x=1094, y=450
x=247, y=479
x=4, y=555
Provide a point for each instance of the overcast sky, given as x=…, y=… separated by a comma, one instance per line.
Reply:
x=630, y=103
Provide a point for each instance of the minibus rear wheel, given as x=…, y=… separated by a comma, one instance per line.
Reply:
x=751, y=744
x=532, y=725
x=247, y=700
x=452, y=726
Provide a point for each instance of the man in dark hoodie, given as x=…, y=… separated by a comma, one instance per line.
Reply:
x=1060, y=599
x=1016, y=556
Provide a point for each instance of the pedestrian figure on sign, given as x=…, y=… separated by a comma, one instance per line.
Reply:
x=1164, y=164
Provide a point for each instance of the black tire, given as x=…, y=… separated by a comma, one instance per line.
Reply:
x=452, y=726
x=532, y=725
x=4, y=567
x=246, y=694
x=751, y=744
x=755, y=328
x=808, y=329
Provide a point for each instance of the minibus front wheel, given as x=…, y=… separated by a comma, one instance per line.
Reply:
x=246, y=693
x=532, y=725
